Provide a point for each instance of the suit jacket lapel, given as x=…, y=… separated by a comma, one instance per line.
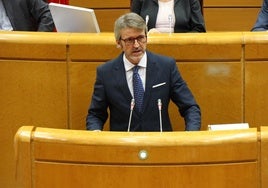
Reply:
x=120, y=77
x=151, y=70
x=9, y=10
x=119, y=74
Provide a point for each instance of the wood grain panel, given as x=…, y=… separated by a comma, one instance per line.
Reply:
x=256, y=48
x=264, y=156
x=197, y=46
x=256, y=52
x=256, y=92
x=230, y=19
x=33, y=45
x=30, y=92
x=56, y=144
x=23, y=168
x=218, y=89
x=33, y=91
x=107, y=17
x=232, y=3
x=93, y=52
x=202, y=176
x=72, y=158
x=82, y=79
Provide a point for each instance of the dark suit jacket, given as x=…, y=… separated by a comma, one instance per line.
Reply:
x=188, y=14
x=29, y=15
x=111, y=91
x=262, y=20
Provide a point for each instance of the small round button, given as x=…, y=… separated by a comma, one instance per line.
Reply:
x=143, y=155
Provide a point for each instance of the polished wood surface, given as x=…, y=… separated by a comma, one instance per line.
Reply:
x=231, y=15
x=256, y=59
x=230, y=18
x=264, y=156
x=233, y=3
x=32, y=88
x=47, y=79
x=71, y=158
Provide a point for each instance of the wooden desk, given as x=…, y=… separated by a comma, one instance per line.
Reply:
x=264, y=156
x=48, y=157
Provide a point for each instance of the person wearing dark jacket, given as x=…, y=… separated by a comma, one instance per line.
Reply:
x=262, y=20
x=25, y=15
x=166, y=16
x=139, y=82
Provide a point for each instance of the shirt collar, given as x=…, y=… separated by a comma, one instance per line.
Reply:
x=129, y=65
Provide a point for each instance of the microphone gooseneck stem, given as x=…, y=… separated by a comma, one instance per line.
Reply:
x=170, y=22
x=160, y=119
x=132, y=104
x=159, y=103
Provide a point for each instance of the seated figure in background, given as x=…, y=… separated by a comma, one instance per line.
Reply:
x=262, y=20
x=25, y=15
x=168, y=16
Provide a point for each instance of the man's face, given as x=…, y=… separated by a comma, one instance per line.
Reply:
x=133, y=43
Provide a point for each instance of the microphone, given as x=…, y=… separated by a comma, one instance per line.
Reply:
x=170, y=22
x=159, y=103
x=132, y=104
x=146, y=19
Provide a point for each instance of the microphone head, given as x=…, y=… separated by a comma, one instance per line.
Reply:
x=146, y=19
x=159, y=103
x=132, y=104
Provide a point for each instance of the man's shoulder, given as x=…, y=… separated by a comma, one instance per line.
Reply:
x=112, y=62
x=153, y=55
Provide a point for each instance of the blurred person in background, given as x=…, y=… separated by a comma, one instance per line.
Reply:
x=169, y=16
x=25, y=15
x=262, y=19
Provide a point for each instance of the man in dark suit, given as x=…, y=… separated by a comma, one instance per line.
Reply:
x=262, y=20
x=161, y=81
x=25, y=15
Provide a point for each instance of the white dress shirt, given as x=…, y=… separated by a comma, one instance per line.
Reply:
x=165, y=20
x=129, y=72
x=4, y=20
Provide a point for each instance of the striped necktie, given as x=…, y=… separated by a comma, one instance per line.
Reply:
x=137, y=89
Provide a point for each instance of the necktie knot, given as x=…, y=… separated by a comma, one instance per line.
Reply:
x=136, y=69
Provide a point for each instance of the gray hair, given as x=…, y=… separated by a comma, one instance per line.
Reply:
x=129, y=20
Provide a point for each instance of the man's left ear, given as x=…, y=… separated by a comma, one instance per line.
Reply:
x=118, y=45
